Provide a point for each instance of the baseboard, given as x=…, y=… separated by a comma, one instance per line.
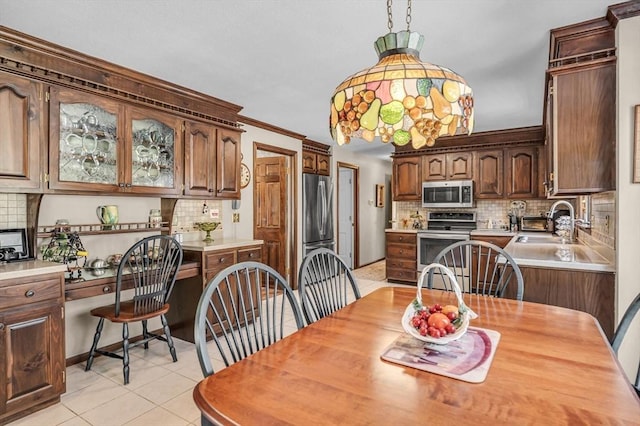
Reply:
x=370, y=263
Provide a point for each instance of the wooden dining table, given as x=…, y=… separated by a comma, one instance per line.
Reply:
x=552, y=365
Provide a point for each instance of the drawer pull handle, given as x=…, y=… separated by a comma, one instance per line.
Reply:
x=250, y=254
x=29, y=293
x=221, y=259
x=1, y=326
x=106, y=289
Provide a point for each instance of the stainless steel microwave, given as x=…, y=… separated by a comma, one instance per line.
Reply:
x=449, y=194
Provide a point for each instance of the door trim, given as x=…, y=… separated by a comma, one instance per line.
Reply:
x=356, y=214
x=293, y=197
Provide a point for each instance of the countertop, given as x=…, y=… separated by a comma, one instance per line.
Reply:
x=545, y=251
x=27, y=268
x=407, y=231
x=493, y=232
x=219, y=244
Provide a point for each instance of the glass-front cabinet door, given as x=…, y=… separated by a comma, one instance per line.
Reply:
x=85, y=140
x=155, y=150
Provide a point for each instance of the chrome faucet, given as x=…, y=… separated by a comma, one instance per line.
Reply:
x=572, y=215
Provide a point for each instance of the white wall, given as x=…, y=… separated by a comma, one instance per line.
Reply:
x=372, y=221
x=628, y=202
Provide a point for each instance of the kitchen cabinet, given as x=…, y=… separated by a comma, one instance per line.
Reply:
x=407, y=179
x=587, y=291
x=100, y=145
x=21, y=130
x=581, y=128
x=489, y=177
x=521, y=172
x=186, y=295
x=32, y=359
x=448, y=166
x=212, y=161
x=313, y=162
x=402, y=257
x=499, y=240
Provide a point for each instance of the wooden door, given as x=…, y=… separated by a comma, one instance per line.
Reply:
x=489, y=174
x=459, y=165
x=228, y=164
x=270, y=210
x=323, y=165
x=521, y=174
x=434, y=167
x=199, y=159
x=309, y=162
x=21, y=123
x=407, y=179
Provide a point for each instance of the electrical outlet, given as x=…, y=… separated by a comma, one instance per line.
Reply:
x=214, y=213
x=236, y=217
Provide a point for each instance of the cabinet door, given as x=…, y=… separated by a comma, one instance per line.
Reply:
x=200, y=159
x=228, y=164
x=407, y=179
x=584, y=129
x=31, y=356
x=323, y=164
x=86, y=143
x=154, y=151
x=434, y=167
x=309, y=162
x=521, y=172
x=21, y=121
x=489, y=174
x=459, y=165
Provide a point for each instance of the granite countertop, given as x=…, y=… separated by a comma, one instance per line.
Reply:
x=218, y=244
x=545, y=250
x=27, y=268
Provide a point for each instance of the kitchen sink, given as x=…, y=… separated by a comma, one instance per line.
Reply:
x=541, y=239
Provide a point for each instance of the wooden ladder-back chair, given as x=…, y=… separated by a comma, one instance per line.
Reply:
x=480, y=268
x=149, y=267
x=325, y=284
x=243, y=309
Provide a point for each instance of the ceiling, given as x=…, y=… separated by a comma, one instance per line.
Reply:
x=281, y=59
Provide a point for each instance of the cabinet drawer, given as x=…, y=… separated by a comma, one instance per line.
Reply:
x=394, y=263
x=30, y=292
x=405, y=238
x=251, y=254
x=402, y=275
x=500, y=241
x=216, y=262
x=403, y=251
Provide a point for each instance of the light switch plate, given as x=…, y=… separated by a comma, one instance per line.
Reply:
x=236, y=217
x=214, y=213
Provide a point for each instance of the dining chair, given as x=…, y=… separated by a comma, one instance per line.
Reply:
x=621, y=331
x=243, y=309
x=480, y=267
x=325, y=284
x=151, y=266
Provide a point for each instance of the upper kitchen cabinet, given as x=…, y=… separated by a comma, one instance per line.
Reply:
x=521, y=172
x=489, y=178
x=580, y=109
x=200, y=159
x=98, y=144
x=449, y=166
x=228, y=164
x=407, y=179
x=21, y=127
x=315, y=158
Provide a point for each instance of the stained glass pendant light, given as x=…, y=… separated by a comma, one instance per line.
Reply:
x=401, y=99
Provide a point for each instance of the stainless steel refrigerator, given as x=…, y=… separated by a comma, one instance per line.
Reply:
x=317, y=212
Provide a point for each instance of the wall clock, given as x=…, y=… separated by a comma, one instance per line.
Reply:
x=245, y=175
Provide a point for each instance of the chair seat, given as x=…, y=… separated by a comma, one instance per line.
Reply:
x=126, y=312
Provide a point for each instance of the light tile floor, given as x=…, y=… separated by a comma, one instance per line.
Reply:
x=159, y=392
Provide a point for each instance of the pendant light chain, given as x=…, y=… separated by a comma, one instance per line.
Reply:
x=390, y=15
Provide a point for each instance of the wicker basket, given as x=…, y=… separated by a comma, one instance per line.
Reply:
x=465, y=312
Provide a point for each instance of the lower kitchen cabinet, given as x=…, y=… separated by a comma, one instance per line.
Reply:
x=186, y=293
x=499, y=240
x=32, y=358
x=401, y=257
x=588, y=291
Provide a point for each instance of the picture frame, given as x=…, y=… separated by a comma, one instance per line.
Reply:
x=636, y=146
x=379, y=195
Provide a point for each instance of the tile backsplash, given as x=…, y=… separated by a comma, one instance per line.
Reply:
x=13, y=211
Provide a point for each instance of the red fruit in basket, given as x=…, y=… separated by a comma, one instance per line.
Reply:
x=437, y=307
x=434, y=332
x=423, y=330
x=452, y=316
x=433, y=310
x=438, y=320
x=443, y=332
x=450, y=328
x=424, y=314
x=416, y=321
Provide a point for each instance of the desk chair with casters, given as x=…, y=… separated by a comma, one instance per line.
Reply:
x=325, y=284
x=480, y=268
x=151, y=265
x=621, y=331
x=243, y=309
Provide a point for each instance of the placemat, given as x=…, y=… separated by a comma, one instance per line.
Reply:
x=467, y=358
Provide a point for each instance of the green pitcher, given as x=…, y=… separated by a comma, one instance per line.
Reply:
x=108, y=215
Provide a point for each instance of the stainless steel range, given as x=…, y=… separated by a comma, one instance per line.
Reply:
x=443, y=229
